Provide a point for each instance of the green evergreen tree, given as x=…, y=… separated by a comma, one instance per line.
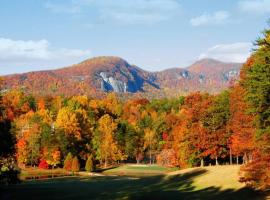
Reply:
x=256, y=80
x=89, y=165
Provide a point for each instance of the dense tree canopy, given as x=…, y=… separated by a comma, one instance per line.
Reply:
x=256, y=81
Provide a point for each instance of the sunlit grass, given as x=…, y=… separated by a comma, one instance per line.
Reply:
x=139, y=170
x=196, y=183
x=225, y=177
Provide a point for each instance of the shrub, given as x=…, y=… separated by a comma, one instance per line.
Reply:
x=75, y=165
x=9, y=171
x=68, y=162
x=43, y=164
x=167, y=157
x=89, y=165
x=257, y=173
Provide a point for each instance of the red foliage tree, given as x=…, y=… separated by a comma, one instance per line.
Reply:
x=241, y=125
x=43, y=164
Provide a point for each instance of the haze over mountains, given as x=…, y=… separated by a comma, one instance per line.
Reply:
x=105, y=74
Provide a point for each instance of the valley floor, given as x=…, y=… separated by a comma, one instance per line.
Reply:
x=196, y=183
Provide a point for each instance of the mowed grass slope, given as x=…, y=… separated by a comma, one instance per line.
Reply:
x=196, y=183
x=224, y=177
x=138, y=170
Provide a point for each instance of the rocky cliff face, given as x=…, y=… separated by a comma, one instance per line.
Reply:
x=113, y=74
x=111, y=84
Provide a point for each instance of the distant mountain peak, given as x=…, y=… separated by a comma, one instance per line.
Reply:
x=212, y=62
x=104, y=59
x=212, y=66
x=208, y=60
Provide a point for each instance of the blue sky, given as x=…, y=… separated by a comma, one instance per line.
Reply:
x=153, y=34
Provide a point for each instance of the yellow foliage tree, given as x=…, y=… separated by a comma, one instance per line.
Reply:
x=67, y=120
x=149, y=140
x=54, y=158
x=108, y=147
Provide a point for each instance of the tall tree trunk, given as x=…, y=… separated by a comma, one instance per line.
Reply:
x=245, y=158
x=237, y=159
x=230, y=156
x=202, y=162
x=105, y=161
x=249, y=157
x=216, y=160
x=150, y=157
x=150, y=151
x=105, y=164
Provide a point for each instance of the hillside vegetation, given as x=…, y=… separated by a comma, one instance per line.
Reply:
x=112, y=74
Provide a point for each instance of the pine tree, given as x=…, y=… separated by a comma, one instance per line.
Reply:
x=68, y=162
x=256, y=80
x=89, y=165
x=75, y=164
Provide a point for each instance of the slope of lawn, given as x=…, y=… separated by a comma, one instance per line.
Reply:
x=196, y=183
x=138, y=170
x=225, y=177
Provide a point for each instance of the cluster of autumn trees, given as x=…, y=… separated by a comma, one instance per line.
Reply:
x=255, y=79
x=186, y=131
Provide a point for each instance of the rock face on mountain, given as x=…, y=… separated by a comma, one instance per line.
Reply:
x=215, y=69
x=107, y=74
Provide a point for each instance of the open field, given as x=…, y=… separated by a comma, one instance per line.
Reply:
x=198, y=183
x=138, y=170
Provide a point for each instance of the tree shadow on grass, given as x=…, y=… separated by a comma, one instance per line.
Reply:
x=100, y=170
x=153, y=187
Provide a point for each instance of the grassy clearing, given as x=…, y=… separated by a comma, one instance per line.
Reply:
x=224, y=177
x=198, y=183
x=139, y=170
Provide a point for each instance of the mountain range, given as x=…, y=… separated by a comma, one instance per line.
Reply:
x=98, y=75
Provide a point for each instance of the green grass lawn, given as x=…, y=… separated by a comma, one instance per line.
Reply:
x=138, y=170
x=198, y=183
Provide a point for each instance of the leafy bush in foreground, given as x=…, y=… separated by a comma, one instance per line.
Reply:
x=89, y=166
x=8, y=171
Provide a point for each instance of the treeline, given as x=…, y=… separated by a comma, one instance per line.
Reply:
x=188, y=129
x=199, y=129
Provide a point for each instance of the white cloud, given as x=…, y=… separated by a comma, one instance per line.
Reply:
x=219, y=17
x=235, y=52
x=124, y=11
x=38, y=54
x=255, y=6
x=14, y=49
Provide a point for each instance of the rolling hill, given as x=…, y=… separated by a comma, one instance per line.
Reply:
x=105, y=74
